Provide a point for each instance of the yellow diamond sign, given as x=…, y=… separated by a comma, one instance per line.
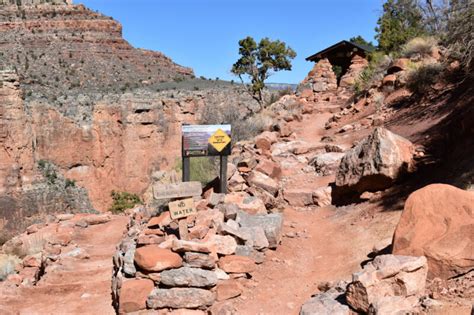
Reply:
x=219, y=140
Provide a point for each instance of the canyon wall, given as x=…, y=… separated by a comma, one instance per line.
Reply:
x=83, y=113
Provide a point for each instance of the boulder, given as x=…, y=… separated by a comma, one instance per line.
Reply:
x=326, y=164
x=209, y=218
x=154, y=258
x=398, y=65
x=395, y=305
x=199, y=260
x=324, y=304
x=438, y=222
x=265, y=140
x=237, y=264
x=227, y=290
x=269, y=168
x=160, y=221
x=387, y=276
x=180, y=298
x=376, y=162
x=181, y=246
x=255, y=237
x=247, y=203
x=223, y=244
x=298, y=197
x=322, y=196
x=133, y=295
x=95, y=219
x=389, y=80
x=263, y=181
x=272, y=224
x=215, y=199
x=188, y=277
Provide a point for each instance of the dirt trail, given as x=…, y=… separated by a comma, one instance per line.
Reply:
x=75, y=286
x=319, y=244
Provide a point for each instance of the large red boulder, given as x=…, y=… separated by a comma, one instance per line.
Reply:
x=438, y=222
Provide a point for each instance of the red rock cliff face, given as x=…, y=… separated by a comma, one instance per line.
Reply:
x=121, y=147
x=82, y=104
x=16, y=147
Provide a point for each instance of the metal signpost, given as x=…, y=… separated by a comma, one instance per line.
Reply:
x=206, y=140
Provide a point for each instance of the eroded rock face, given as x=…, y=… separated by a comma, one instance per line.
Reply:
x=30, y=188
x=376, y=162
x=438, y=222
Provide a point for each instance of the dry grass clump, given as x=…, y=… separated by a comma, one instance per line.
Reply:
x=244, y=127
x=7, y=265
x=421, y=80
x=419, y=46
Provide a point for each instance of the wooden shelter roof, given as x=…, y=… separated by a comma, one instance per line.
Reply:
x=343, y=44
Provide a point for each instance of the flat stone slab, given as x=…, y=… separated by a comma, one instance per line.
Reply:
x=178, y=190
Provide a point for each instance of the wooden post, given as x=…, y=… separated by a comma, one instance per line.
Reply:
x=223, y=175
x=186, y=169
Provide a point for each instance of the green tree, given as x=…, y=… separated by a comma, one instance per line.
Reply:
x=258, y=62
x=401, y=21
x=361, y=41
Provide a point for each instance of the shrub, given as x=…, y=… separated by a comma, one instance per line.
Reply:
x=419, y=46
x=48, y=170
x=378, y=63
x=419, y=81
x=243, y=128
x=203, y=169
x=123, y=201
x=285, y=91
x=7, y=265
x=70, y=183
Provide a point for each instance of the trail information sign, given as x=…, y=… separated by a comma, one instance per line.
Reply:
x=182, y=208
x=219, y=140
x=206, y=140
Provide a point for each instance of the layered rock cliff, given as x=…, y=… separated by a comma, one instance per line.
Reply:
x=77, y=96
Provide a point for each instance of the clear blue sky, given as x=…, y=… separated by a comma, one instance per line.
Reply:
x=204, y=34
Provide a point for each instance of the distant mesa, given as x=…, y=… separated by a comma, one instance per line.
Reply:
x=34, y=2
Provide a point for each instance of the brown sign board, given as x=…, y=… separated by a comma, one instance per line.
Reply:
x=206, y=140
x=182, y=208
x=178, y=190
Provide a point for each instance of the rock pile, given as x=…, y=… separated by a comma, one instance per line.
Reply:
x=386, y=284
x=195, y=262
x=358, y=64
x=321, y=78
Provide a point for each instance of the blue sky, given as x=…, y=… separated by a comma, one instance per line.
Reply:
x=204, y=34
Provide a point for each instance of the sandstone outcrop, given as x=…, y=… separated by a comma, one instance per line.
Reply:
x=438, y=222
x=376, y=162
